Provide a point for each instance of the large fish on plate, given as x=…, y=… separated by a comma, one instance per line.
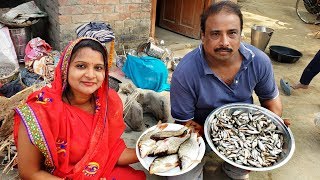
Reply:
x=166, y=134
x=189, y=151
x=163, y=164
x=169, y=146
x=146, y=144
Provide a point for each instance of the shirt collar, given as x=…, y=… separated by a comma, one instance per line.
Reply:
x=246, y=53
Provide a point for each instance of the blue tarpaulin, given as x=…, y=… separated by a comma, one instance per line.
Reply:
x=147, y=73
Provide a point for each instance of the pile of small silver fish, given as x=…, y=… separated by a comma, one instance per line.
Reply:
x=247, y=138
x=172, y=148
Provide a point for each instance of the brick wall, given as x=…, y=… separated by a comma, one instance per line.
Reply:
x=130, y=19
x=48, y=28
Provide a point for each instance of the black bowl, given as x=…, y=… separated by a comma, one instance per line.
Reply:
x=284, y=54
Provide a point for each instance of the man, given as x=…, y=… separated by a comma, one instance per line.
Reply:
x=221, y=70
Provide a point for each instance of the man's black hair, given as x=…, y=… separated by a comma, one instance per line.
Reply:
x=227, y=6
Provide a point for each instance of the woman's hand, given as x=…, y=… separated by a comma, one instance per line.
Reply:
x=127, y=157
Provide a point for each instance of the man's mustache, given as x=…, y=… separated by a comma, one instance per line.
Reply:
x=223, y=49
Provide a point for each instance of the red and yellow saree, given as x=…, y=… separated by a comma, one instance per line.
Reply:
x=74, y=143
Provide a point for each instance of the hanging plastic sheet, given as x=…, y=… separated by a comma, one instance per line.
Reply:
x=147, y=73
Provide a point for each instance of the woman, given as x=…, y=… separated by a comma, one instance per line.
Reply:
x=72, y=129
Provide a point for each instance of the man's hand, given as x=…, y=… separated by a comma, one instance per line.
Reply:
x=286, y=122
x=197, y=127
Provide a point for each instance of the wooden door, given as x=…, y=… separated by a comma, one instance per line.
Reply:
x=181, y=16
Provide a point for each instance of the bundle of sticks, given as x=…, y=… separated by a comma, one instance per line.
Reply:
x=8, y=154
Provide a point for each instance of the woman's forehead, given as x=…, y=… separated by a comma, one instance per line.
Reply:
x=87, y=54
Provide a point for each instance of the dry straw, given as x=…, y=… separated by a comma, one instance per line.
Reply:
x=7, y=106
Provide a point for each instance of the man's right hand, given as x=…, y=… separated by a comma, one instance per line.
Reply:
x=197, y=127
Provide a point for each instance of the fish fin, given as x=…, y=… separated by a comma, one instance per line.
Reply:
x=177, y=163
x=186, y=132
x=191, y=128
x=151, y=171
x=180, y=164
x=161, y=125
x=151, y=154
x=161, y=154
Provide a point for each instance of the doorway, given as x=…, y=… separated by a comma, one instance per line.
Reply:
x=180, y=16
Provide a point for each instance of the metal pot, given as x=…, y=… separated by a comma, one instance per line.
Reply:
x=260, y=36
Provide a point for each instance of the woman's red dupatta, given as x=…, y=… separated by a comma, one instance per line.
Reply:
x=52, y=127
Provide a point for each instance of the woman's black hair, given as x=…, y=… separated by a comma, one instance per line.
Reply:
x=94, y=45
x=227, y=6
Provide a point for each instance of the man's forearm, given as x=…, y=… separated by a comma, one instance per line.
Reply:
x=273, y=105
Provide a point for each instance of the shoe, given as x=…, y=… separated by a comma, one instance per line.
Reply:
x=285, y=87
x=235, y=173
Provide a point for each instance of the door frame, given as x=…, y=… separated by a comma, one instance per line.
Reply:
x=153, y=15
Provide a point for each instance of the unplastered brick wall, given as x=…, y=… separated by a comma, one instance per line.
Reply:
x=130, y=19
x=50, y=24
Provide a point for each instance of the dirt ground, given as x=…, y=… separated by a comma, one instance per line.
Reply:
x=300, y=107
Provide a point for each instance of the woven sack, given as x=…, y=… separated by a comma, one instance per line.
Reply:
x=7, y=106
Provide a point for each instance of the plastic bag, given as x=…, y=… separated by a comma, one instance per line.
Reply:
x=7, y=51
x=147, y=73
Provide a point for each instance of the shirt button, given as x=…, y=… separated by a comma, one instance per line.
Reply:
x=245, y=68
x=236, y=81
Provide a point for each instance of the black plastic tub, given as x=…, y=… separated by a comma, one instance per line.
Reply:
x=284, y=54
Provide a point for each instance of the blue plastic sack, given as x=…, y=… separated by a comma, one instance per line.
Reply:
x=147, y=73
